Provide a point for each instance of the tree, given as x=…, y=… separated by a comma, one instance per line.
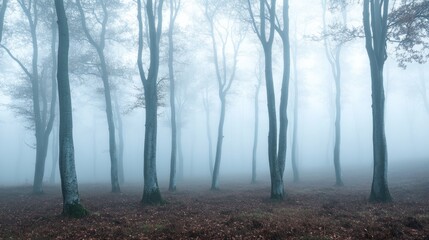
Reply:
x=151, y=193
x=3, y=7
x=69, y=186
x=294, y=159
x=375, y=14
x=333, y=52
x=174, y=9
x=225, y=74
x=267, y=20
x=256, y=126
x=206, y=104
x=42, y=114
x=99, y=46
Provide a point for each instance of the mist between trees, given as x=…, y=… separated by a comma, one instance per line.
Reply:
x=206, y=89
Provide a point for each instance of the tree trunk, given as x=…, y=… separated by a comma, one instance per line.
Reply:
x=295, y=115
x=151, y=193
x=99, y=47
x=215, y=179
x=69, y=187
x=375, y=26
x=333, y=56
x=120, y=141
x=54, y=155
x=208, y=131
x=337, y=145
x=172, y=184
x=256, y=130
x=111, y=126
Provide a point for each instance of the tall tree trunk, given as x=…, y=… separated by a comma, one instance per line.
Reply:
x=256, y=130
x=69, y=186
x=173, y=14
x=151, y=193
x=208, y=131
x=54, y=36
x=337, y=163
x=120, y=140
x=375, y=25
x=215, y=179
x=99, y=47
x=295, y=114
x=333, y=56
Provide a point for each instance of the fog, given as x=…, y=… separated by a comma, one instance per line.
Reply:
x=406, y=119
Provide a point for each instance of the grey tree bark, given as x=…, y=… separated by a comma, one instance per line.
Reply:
x=256, y=126
x=333, y=56
x=206, y=104
x=69, y=186
x=295, y=154
x=151, y=193
x=99, y=46
x=120, y=131
x=54, y=36
x=174, y=9
x=223, y=79
x=267, y=21
x=375, y=13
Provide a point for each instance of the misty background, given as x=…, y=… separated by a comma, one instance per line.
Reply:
x=407, y=128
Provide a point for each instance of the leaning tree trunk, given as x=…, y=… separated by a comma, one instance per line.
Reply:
x=295, y=115
x=69, y=187
x=375, y=26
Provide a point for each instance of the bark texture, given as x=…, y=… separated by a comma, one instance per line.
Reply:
x=375, y=26
x=69, y=186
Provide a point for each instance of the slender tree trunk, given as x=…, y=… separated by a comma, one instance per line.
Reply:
x=256, y=130
x=120, y=141
x=54, y=155
x=69, y=186
x=54, y=38
x=111, y=126
x=172, y=184
x=333, y=56
x=337, y=163
x=295, y=115
x=208, y=132
x=375, y=26
x=180, y=168
x=215, y=179
x=99, y=47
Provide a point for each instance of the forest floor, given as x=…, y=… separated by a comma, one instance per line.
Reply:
x=312, y=210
